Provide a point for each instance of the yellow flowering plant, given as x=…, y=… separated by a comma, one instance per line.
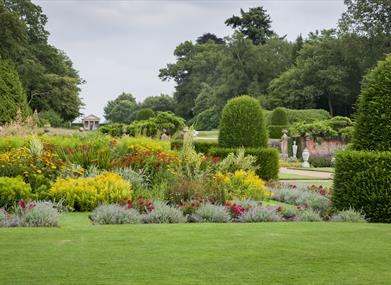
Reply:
x=36, y=169
x=242, y=185
x=84, y=194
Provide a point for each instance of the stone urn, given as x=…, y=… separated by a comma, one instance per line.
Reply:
x=306, y=156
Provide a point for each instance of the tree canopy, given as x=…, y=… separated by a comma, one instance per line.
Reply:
x=254, y=24
x=121, y=110
x=47, y=74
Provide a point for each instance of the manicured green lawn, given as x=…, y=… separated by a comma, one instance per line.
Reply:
x=269, y=253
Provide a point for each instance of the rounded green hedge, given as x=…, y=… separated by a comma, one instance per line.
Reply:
x=242, y=124
x=279, y=117
x=145, y=114
x=373, y=120
x=362, y=181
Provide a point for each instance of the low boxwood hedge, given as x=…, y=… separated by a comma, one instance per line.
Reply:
x=363, y=181
x=199, y=146
x=267, y=159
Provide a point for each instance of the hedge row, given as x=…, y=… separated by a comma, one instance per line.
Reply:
x=199, y=146
x=363, y=181
x=306, y=115
x=267, y=159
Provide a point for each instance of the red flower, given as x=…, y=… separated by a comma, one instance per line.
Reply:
x=22, y=204
x=141, y=202
x=149, y=203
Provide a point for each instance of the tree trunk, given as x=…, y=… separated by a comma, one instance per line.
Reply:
x=330, y=106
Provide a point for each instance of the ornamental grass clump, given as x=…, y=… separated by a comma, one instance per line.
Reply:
x=209, y=213
x=238, y=161
x=115, y=214
x=259, y=214
x=164, y=214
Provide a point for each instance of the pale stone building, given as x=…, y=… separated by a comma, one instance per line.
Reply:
x=91, y=122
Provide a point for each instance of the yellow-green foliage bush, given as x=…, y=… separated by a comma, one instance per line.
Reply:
x=135, y=142
x=242, y=185
x=84, y=194
x=12, y=189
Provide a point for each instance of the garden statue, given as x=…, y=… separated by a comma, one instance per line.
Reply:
x=284, y=145
x=294, y=150
x=306, y=156
x=164, y=137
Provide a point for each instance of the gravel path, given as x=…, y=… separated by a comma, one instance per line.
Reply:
x=315, y=174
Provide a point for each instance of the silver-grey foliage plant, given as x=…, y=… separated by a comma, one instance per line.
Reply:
x=212, y=214
x=115, y=214
x=164, y=214
x=259, y=214
x=349, y=216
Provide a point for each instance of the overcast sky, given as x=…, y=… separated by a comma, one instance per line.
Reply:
x=121, y=45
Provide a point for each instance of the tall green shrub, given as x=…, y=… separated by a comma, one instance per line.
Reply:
x=373, y=121
x=145, y=114
x=279, y=122
x=363, y=181
x=242, y=124
x=279, y=117
x=12, y=95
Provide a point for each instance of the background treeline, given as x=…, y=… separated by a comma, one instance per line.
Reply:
x=323, y=70
x=34, y=75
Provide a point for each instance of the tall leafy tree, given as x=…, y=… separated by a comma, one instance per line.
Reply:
x=327, y=75
x=367, y=17
x=254, y=24
x=209, y=37
x=164, y=103
x=12, y=96
x=196, y=63
x=248, y=68
x=47, y=74
x=13, y=34
x=121, y=110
